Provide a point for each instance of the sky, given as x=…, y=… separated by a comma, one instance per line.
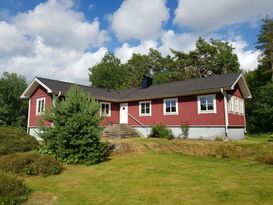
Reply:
x=61, y=39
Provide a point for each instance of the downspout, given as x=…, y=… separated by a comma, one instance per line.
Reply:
x=28, y=115
x=56, y=96
x=226, y=111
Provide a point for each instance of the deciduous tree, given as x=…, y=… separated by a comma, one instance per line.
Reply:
x=13, y=110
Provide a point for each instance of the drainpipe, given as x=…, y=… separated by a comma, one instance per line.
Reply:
x=28, y=115
x=56, y=97
x=226, y=111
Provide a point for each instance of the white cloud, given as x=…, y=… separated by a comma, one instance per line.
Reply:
x=248, y=59
x=126, y=51
x=52, y=40
x=177, y=41
x=208, y=15
x=139, y=19
x=13, y=41
x=53, y=62
x=60, y=26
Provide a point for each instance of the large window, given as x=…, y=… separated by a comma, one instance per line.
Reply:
x=105, y=109
x=236, y=105
x=145, y=108
x=40, y=106
x=170, y=106
x=206, y=104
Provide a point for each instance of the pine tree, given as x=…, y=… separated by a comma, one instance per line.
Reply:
x=74, y=136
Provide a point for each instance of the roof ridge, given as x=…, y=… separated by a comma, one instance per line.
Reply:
x=120, y=90
x=202, y=78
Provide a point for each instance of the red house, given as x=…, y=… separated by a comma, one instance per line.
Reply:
x=211, y=106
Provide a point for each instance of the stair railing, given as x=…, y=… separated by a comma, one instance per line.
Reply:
x=144, y=126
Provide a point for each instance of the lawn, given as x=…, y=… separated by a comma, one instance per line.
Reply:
x=153, y=177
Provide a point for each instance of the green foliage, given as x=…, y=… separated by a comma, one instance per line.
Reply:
x=219, y=138
x=214, y=57
x=16, y=140
x=260, y=118
x=30, y=164
x=185, y=130
x=259, y=108
x=265, y=44
x=161, y=131
x=75, y=134
x=109, y=73
x=12, y=191
x=13, y=110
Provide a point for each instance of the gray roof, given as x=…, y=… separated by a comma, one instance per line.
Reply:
x=172, y=89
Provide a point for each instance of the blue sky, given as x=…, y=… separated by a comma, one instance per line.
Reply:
x=61, y=39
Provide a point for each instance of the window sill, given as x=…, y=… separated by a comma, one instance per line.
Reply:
x=171, y=113
x=207, y=112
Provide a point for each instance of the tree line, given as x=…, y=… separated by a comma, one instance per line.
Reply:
x=208, y=58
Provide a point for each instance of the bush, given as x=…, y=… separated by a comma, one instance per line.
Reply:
x=219, y=138
x=30, y=164
x=266, y=158
x=185, y=130
x=16, y=140
x=161, y=131
x=75, y=136
x=12, y=190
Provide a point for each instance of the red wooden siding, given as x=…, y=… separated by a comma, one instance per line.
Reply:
x=187, y=113
x=235, y=119
x=114, y=118
x=40, y=92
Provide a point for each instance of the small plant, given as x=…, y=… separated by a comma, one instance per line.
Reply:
x=219, y=138
x=30, y=164
x=16, y=140
x=185, y=130
x=12, y=190
x=161, y=131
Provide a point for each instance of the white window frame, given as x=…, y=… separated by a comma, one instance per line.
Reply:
x=236, y=105
x=206, y=111
x=103, y=114
x=164, y=106
x=150, y=106
x=43, y=99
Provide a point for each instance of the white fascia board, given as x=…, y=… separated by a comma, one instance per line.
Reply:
x=241, y=77
x=35, y=80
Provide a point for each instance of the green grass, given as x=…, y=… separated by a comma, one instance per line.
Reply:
x=260, y=138
x=157, y=178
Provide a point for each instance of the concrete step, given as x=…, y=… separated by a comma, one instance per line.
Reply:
x=120, y=131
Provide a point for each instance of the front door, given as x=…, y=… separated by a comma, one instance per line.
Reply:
x=123, y=113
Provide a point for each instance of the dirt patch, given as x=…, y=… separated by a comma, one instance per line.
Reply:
x=41, y=198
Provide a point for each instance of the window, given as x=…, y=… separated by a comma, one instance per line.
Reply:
x=145, y=108
x=105, y=109
x=170, y=106
x=236, y=105
x=206, y=104
x=40, y=106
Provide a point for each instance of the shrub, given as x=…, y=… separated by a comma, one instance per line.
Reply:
x=219, y=138
x=12, y=191
x=185, y=130
x=30, y=164
x=75, y=136
x=266, y=158
x=161, y=131
x=15, y=140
